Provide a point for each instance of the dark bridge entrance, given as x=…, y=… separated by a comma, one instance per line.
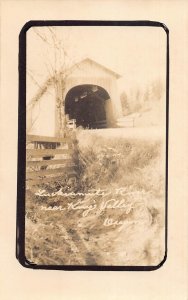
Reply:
x=88, y=105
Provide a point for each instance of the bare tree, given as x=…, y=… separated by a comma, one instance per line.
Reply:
x=57, y=70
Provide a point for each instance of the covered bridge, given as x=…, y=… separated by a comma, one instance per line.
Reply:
x=90, y=98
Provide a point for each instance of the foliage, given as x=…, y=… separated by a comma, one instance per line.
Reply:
x=138, y=100
x=54, y=237
x=57, y=69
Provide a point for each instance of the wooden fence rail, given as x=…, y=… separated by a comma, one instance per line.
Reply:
x=46, y=139
x=48, y=162
x=43, y=163
x=47, y=152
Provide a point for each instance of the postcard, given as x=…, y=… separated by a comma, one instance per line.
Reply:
x=93, y=145
x=93, y=154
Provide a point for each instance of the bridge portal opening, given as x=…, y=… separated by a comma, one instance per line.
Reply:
x=89, y=105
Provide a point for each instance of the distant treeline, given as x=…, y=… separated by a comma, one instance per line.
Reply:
x=142, y=100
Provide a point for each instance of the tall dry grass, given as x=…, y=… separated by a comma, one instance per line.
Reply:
x=53, y=237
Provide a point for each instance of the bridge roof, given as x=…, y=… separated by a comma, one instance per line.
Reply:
x=89, y=60
x=49, y=81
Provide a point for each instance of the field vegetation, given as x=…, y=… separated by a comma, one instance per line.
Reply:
x=116, y=215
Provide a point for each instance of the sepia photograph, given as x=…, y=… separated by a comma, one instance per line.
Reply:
x=96, y=146
x=93, y=155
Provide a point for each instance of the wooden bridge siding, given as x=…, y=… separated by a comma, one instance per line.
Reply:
x=89, y=73
x=86, y=73
x=41, y=117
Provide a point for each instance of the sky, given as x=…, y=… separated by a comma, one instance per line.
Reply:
x=138, y=53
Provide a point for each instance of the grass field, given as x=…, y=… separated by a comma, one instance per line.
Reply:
x=116, y=215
